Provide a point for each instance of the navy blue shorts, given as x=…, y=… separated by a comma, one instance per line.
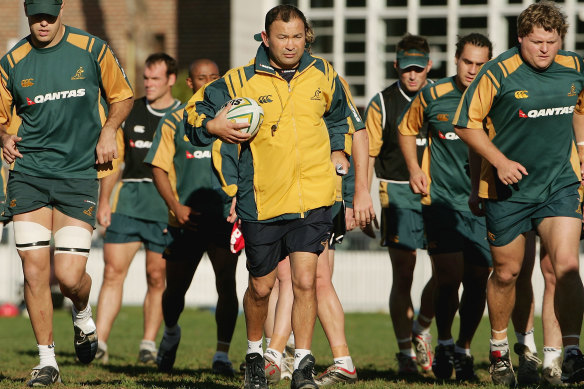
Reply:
x=266, y=244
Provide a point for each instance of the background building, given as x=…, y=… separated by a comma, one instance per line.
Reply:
x=357, y=36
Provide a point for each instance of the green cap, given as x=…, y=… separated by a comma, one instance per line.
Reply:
x=412, y=57
x=49, y=7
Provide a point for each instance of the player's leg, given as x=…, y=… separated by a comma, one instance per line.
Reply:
x=72, y=244
x=522, y=317
x=32, y=234
x=507, y=261
x=332, y=319
x=279, y=363
x=552, y=335
x=224, y=264
x=121, y=243
x=117, y=259
x=155, y=280
x=448, y=274
x=560, y=237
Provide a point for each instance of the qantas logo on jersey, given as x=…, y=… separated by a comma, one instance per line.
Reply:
x=448, y=136
x=140, y=144
x=536, y=113
x=65, y=94
x=199, y=154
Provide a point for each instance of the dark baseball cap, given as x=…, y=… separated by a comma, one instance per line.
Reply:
x=49, y=7
x=412, y=57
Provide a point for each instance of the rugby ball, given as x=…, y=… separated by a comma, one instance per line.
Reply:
x=245, y=110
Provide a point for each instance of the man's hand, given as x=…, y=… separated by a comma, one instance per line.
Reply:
x=349, y=219
x=9, y=148
x=225, y=129
x=510, y=172
x=104, y=214
x=339, y=160
x=476, y=205
x=184, y=216
x=363, y=208
x=107, y=148
x=232, y=215
x=419, y=182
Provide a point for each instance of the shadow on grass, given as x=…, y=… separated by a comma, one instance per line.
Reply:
x=371, y=373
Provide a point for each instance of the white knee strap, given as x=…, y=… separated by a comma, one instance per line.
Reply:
x=73, y=240
x=31, y=236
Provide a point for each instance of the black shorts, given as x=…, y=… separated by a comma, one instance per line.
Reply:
x=266, y=244
x=185, y=244
x=339, y=228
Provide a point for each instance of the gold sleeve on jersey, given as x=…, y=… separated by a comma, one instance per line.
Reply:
x=413, y=118
x=114, y=81
x=165, y=150
x=5, y=100
x=374, y=128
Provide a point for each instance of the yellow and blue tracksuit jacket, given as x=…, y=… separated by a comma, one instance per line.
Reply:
x=281, y=174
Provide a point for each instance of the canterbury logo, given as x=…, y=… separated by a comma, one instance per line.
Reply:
x=572, y=91
x=521, y=94
x=89, y=211
x=79, y=74
x=442, y=117
x=29, y=82
x=316, y=95
x=265, y=99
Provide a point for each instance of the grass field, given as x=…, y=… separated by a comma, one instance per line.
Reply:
x=370, y=338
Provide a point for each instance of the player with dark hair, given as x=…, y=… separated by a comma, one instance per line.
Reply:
x=301, y=140
x=456, y=238
x=402, y=226
x=56, y=79
x=139, y=215
x=183, y=174
x=529, y=99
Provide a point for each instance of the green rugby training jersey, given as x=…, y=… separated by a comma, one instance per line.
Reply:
x=528, y=116
x=136, y=195
x=57, y=93
x=445, y=160
x=189, y=169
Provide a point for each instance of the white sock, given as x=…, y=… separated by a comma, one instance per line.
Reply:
x=268, y=340
x=418, y=329
x=83, y=319
x=408, y=351
x=221, y=356
x=274, y=355
x=149, y=345
x=499, y=345
x=102, y=345
x=550, y=354
x=462, y=350
x=299, y=354
x=47, y=356
x=527, y=339
x=291, y=340
x=255, y=346
x=447, y=342
x=345, y=362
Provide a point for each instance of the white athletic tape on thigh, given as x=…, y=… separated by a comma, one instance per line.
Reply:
x=31, y=236
x=73, y=240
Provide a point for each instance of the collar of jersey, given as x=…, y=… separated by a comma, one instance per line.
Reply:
x=262, y=61
x=50, y=49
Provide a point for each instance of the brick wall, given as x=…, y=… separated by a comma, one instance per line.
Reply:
x=185, y=29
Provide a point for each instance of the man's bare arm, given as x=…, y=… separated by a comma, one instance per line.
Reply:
x=107, y=149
